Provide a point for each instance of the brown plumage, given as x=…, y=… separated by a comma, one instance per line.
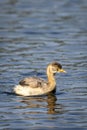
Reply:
x=31, y=86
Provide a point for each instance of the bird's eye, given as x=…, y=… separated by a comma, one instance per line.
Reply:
x=57, y=69
x=54, y=70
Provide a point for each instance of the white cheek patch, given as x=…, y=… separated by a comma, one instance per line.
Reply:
x=54, y=71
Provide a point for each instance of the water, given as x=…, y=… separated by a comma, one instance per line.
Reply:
x=33, y=34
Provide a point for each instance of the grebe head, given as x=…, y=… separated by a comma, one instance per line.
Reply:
x=55, y=67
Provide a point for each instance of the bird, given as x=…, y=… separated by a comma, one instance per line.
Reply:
x=35, y=86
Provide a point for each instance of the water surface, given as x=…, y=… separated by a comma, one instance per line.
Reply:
x=33, y=34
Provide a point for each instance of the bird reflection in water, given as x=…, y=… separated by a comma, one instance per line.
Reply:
x=52, y=106
x=40, y=103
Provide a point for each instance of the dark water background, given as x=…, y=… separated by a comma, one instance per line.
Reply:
x=32, y=34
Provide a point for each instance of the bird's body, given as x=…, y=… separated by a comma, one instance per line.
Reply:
x=31, y=86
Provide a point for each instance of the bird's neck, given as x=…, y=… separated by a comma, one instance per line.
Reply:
x=51, y=78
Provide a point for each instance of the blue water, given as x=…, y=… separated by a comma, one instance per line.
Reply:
x=33, y=34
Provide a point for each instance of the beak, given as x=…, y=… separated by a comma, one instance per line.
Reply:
x=62, y=71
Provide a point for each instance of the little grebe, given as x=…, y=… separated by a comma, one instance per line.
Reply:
x=31, y=86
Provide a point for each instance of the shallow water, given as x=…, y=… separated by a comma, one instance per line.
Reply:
x=33, y=34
